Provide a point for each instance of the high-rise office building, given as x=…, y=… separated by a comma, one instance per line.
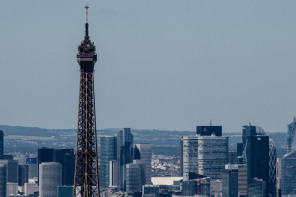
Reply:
x=32, y=167
x=12, y=170
x=239, y=149
x=260, y=155
x=190, y=157
x=1, y=144
x=23, y=175
x=108, y=152
x=66, y=157
x=134, y=177
x=3, y=180
x=230, y=181
x=212, y=155
x=46, y=155
x=257, y=188
x=125, y=143
x=250, y=130
x=208, y=153
x=288, y=173
x=50, y=178
x=143, y=155
x=242, y=180
x=68, y=169
x=291, y=134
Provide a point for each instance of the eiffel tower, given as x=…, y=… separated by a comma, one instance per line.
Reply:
x=86, y=180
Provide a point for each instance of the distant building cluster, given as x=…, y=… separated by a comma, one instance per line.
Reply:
x=127, y=169
x=123, y=164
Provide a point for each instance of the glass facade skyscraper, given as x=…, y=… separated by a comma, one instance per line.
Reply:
x=260, y=155
x=125, y=143
x=108, y=152
x=230, y=181
x=288, y=173
x=1, y=144
x=143, y=155
x=209, y=153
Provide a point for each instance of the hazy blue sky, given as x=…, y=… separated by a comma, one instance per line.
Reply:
x=163, y=64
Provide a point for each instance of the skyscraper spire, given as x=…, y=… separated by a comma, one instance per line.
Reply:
x=86, y=37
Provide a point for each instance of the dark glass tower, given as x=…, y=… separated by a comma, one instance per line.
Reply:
x=66, y=157
x=86, y=180
x=1, y=144
x=125, y=143
x=261, y=159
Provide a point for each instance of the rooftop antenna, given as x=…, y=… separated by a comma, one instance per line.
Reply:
x=86, y=37
x=86, y=14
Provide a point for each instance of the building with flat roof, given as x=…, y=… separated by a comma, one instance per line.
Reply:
x=50, y=177
x=208, y=153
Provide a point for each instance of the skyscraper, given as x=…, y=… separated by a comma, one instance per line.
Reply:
x=66, y=157
x=108, y=152
x=288, y=173
x=1, y=144
x=32, y=167
x=125, y=143
x=134, y=177
x=250, y=130
x=23, y=175
x=260, y=155
x=12, y=170
x=208, y=153
x=86, y=181
x=68, y=169
x=46, y=155
x=143, y=155
x=50, y=178
x=242, y=180
x=291, y=134
x=212, y=155
x=190, y=157
x=230, y=181
x=3, y=180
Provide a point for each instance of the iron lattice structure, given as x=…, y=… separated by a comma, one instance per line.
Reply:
x=86, y=180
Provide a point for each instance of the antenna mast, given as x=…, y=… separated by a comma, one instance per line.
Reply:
x=86, y=14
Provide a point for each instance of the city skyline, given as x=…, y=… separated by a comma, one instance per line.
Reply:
x=162, y=65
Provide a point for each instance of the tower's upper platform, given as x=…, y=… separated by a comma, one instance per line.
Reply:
x=87, y=49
